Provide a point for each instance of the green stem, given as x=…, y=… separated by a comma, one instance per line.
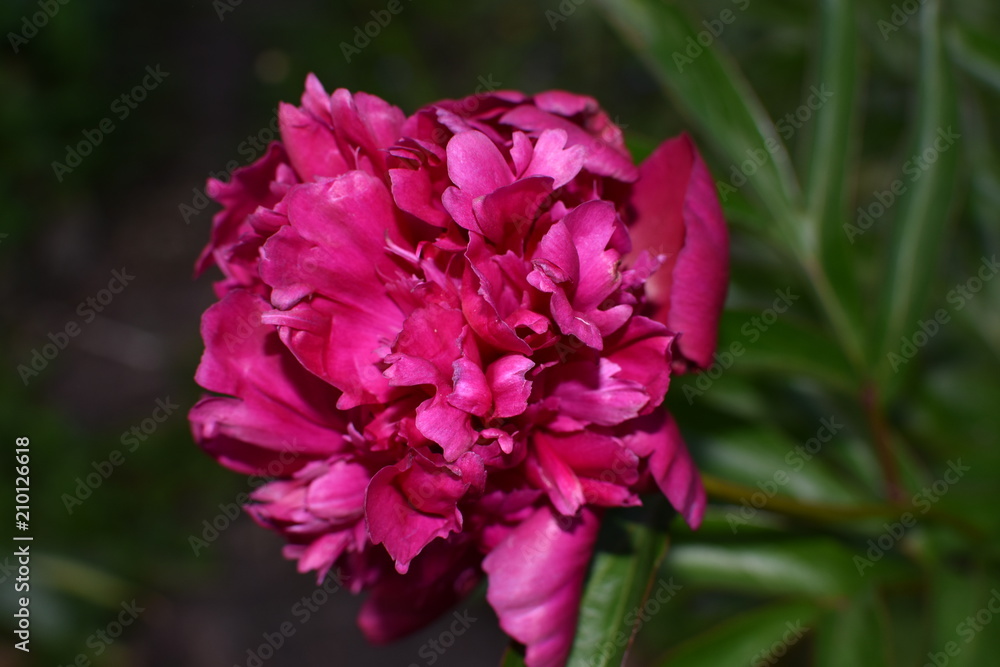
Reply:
x=724, y=490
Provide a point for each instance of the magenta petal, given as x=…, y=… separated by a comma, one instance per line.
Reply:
x=312, y=147
x=276, y=402
x=535, y=581
x=510, y=388
x=446, y=425
x=604, y=157
x=678, y=217
x=475, y=164
x=471, y=393
x=597, y=395
x=393, y=521
x=412, y=190
x=553, y=158
x=658, y=437
x=443, y=574
x=339, y=494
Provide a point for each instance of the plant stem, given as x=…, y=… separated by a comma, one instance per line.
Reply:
x=720, y=489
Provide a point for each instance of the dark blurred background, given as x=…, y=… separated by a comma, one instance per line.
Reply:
x=223, y=68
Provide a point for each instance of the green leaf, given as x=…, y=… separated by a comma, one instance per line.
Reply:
x=746, y=639
x=814, y=567
x=978, y=53
x=713, y=93
x=787, y=347
x=622, y=575
x=763, y=458
x=923, y=208
x=855, y=635
x=830, y=163
x=955, y=598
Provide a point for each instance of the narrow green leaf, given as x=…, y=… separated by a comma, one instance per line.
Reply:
x=766, y=460
x=785, y=346
x=749, y=639
x=814, y=567
x=708, y=86
x=622, y=575
x=856, y=634
x=957, y=636
x=978, y=53
x=923, y=208
x=831, y=150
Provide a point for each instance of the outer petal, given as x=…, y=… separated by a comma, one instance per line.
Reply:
x=535, y=581
x=680, y=220
x=278, y=405
x=657, y=436
x=438, y=578
x=394, y=521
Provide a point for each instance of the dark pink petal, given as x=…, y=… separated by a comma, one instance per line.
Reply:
x=678, y=217
x=340, y=344
x=535, y=581
x=439, y=577
x=565, y=103
x=471, y=392
x=278, y=404
x=396, y=524
x=248, y=189
x=448, y=426
x=367, y=122
x=322, y=553
x=510, y=388
x=312, y=147
x=475, y=164
x=552, y=157
x=642, y=350
x=604, y=157
x=339, y=494
x=596, y=395
x=412, y=191
x=656, y=436
x=512, y=209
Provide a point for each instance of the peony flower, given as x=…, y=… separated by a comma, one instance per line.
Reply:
x=447, y=338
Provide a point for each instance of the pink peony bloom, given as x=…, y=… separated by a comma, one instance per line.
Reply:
x=447, y=338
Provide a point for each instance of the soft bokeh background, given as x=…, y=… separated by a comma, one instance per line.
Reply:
x=228, y=65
